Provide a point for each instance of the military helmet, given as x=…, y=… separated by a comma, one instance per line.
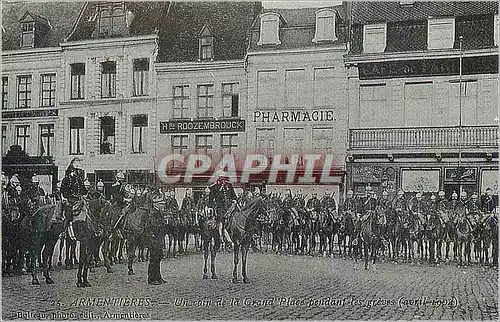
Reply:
x=419, y=195
x=441, y=193
x=4, y=178
x=433, y=197
x=327, y=192
x=59, y=184
x=454, y=195
x=256, y=190
x=474, y=196
x=401, y=192
x=463, y=194
x=350, y=192
x=14, y=179
x=131, y=191
x=100, y=184
x=19, y=189
x=250, y=195
x=207, y=190
x=120, y=175
x=35, y=178
x=385, y=193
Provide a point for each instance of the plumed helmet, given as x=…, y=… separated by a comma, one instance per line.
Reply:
x=350, y=192
x=14, y=179
x=384, y=193
x=401, y=192
x=441, y=193
x=474, y=196
x=463, y=194
x=419, y=195
x=35, y=178
x=454, y=195
x=120, y=175
x=86, y=183
x=207, y=190
x=100, y=184
x=433, y=197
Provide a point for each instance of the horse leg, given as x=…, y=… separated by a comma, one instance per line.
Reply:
x=86, y=255
x=206, y=244
x=132, y=241
x=244, y=255
x=79, y=282
x=236, y=256
x=105, y=254
x=213, y=253
x=34, y=254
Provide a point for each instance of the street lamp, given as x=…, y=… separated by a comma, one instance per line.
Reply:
x=461, y=38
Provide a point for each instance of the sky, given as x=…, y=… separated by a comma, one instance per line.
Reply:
x=298, y=4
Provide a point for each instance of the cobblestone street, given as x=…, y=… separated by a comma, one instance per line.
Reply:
x=282, y=287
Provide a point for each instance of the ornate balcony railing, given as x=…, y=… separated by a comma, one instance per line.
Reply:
x=424, y=137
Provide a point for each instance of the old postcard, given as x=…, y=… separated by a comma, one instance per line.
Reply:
x=274, y=160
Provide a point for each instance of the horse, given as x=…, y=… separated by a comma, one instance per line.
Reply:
x=279, y=227
x=210, y=240
x=327, y=228
x=241, y=226
x=176, y=231
x=42, y=230
x=347, y=230
x=70, y=251
x=434, y=232
x=91, y=226
x=493, y=232
x=450, y=233
x=464, y=232
x=11, y=216
x=371, y=233
x=414, y=229
x=295, y=229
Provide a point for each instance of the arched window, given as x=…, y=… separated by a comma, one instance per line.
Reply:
x=325, y=25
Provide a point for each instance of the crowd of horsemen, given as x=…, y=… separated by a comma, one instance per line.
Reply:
x=294, y=223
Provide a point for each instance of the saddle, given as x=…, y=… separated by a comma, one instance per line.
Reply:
x=80, y=211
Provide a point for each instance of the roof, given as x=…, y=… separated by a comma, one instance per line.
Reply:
x=56, y=18
x=147, y=17
x=229, y=22
x=299, y=28
x=365, y=12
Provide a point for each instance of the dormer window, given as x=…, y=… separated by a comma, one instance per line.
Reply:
x=206, y=44
x=28, y=37
x=111, y=20
x=441, y=33
x=374, y=38
x=325, y=25
x=269, y=29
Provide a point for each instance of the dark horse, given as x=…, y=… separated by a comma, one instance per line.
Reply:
x=241, y=225
x=371, y=233
x=91, y=226
x=42, y=230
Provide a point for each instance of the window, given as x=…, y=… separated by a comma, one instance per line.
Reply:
x=228, y=143
x=469, y=102
x=49, y=90
x=374, y=38
x=267, y=89
x=230, y=100
x=418, y=104
x=5, y=92
x=372, y=105
x=107, y=141
x=204, y=144
x=441, y=33
x=205, y=100
x=207, y=48
x=141, y=73
x=28, y=36
x=76, y=137
x=24, y=91
x=325, y=26
x=4, y=140
x=322, y=139
x=181, y=101
x=77, y=81
x=296, y=90
x=139, y=126
x=324, y=87
x=46, y=140
x=108, y=79
x=269, y=29
x=293, y=141
x=265, y=141
x=111, y=19
x=179, y=144
x=22, y=136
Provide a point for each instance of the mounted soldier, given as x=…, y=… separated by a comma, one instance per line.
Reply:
x=489, y=202
x=369, y=203
x=417, y=206
x=118, y=190
x=98, y=192
x=187, y=205
x=72, y=189
x=313, y=206
x=221, y=197
x=399, y=203
x=37, y=193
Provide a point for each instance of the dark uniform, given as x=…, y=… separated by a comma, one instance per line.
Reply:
x=118, y=194
x=314, y=206
x=221, y=197
x=156, y=232
x=72, y=188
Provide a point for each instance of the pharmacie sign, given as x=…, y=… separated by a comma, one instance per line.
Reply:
x=293, y=116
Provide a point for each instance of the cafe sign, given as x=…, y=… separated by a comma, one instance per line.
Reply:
x=190, y=126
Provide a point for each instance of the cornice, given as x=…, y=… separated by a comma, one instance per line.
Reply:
x=198, y=66
x=106, y=42
x=338, y=48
